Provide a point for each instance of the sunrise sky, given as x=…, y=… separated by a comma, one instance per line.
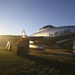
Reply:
x=31, y=15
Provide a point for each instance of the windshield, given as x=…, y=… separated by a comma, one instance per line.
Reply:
x=48, y=26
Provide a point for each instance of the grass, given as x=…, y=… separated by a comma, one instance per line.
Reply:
x=36, y=63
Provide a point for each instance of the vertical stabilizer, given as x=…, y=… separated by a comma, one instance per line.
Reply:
x=24, y=34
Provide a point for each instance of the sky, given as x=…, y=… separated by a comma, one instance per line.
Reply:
x=31, y=15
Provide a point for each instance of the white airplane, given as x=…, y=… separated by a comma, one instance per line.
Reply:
x=63, y=36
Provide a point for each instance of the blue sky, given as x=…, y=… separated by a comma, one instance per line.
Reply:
x=34, y=14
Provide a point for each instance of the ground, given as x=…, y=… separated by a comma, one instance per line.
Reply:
x=38, y=62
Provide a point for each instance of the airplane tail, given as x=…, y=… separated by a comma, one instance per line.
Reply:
x=24, y=34
x=22, y=30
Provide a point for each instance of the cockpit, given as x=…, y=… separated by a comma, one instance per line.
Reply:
x=47, y=26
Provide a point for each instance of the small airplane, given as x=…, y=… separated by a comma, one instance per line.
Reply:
x=63, y=36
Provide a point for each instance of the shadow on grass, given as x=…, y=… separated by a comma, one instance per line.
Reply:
x=58, y=54
x=64, y=68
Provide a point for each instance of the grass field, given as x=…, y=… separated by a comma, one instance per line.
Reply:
x=36, y=63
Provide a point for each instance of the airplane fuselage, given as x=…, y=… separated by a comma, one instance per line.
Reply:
x=53, y=34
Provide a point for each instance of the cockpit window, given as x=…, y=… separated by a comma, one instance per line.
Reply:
x=48, y=26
